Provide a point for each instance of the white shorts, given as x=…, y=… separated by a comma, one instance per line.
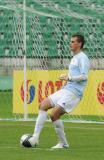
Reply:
x=67, y=100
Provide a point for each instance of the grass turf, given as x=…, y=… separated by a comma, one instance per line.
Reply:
x=86, y=142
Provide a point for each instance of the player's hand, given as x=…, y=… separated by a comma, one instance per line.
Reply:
x=63, y=77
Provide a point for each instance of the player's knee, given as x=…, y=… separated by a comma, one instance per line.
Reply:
x=44, y=105
x=41, y=106
x=54, y=117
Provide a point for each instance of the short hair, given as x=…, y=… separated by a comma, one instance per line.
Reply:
x=80, y=39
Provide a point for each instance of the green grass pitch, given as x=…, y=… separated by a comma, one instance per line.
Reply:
x=86, y=142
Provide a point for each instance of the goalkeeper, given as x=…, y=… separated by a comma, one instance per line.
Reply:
x=67, y=98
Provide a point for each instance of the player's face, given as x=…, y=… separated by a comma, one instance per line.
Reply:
x=74, y=44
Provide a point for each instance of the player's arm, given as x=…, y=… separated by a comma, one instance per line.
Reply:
x=79, y=78
x=82, y=77
x=64, y=77
x=84, y=68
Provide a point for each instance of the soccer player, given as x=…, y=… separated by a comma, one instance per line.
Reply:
x=67, y=98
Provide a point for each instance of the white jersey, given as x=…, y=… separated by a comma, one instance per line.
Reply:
x=79, y=65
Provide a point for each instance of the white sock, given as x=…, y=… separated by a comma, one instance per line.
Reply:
x=59, y=127
x=42, y=116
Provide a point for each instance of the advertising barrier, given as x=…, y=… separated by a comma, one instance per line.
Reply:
x=41, y=83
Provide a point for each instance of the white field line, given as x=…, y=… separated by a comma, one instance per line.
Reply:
x=36, y=148
x=46, y=149
x=49, y=126
x=48, y=120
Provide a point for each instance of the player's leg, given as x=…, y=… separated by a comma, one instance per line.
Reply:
x=42, y=116
x=57, y=112
x=66, y=103
x=44, y=106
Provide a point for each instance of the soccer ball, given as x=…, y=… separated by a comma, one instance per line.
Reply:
x=27, y=140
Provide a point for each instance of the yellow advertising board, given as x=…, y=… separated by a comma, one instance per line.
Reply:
x=42, y=83
x=39, y=85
